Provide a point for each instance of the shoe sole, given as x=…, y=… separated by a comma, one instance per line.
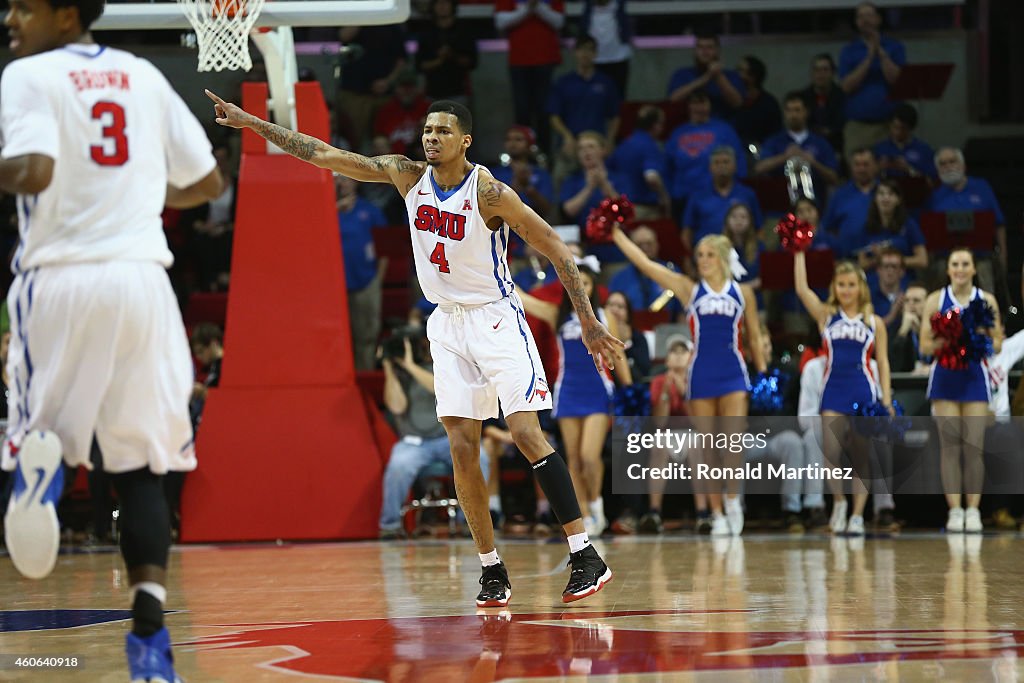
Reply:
x=605, y=578
x=496, y=603
x=31, y=528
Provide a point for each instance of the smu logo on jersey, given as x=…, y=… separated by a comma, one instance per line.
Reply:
x=442, y=223
x=719, y=305
x=853, y=331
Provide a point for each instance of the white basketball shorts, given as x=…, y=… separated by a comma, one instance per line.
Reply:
x=100, y=348
x=483, y=355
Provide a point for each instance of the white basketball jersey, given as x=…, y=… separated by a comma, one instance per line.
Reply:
x=118, y=134
x=459, y=260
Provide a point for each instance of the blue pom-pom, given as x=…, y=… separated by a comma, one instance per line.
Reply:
x=977, y=317
x=874, y=421
x=768, y=392
x=632, y=400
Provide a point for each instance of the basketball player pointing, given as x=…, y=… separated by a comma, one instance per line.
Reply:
x=483, y=352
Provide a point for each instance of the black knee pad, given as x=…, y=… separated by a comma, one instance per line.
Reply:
x=143, y=522
x=553, y=477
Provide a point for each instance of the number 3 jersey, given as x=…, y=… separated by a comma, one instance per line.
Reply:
x=459, y=260
x=118, y=135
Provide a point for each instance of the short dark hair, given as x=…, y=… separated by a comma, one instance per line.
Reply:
x=459, y=111
x=824, y=57
x=795, y=96
x=585, y=39
x=648, y=116
x=205, y=334
x=700, y=94
x=707, y=35
x=905, y=113
x=88, y=10
x=758, y=71
x=863, y=150
x=918, y=284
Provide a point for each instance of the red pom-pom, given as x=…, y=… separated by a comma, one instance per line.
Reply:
x=605, y=215
x=794, y=234
x=947, y=326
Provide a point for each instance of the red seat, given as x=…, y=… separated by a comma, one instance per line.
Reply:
x=777, y=269
x=648, y=320
x=916, y=191
x=772, y=193
x=395, y=302
x=394, y=242
x=675, y=114
x=206, y=307
x=944, y=230
x=670, y=245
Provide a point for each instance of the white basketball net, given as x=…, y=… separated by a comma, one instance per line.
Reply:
x=222, y=30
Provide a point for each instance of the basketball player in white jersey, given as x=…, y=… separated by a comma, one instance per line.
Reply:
x=482, y=349
x=95, y=143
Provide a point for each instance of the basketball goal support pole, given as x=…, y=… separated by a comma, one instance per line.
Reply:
x=278, y=49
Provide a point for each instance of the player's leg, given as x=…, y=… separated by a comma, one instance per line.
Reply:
x=572, y=432
x=950, y=427
x=470, y=482
x=974, y=420
x=595, y=430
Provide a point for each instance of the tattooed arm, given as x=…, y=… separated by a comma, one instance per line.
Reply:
x=500, y=204
x=396, y=169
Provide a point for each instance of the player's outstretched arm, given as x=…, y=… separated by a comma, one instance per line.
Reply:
x=396, y=169
x=26, y=174
x=499, y=201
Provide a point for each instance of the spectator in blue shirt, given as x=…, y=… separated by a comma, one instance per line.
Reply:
x=688, y=151
x=959, y=192
x=890, y=226
x=827, y=101
x=723, y=86
x=741, y=229
x=585, y=188
x=640, y=290
x=867, y=67
x=608, y=22
x=846, y=216
x=797, y=142
x=901, y=154
x=705, y=212
x=363, y=270
x=759, y=115
x=519, y=171
x=641, y=159
x=584, y=99
x=887, y=286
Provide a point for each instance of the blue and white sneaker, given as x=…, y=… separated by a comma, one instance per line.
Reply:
x=150, y=659
x=31, y=526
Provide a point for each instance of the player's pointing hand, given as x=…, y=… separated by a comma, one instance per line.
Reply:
x=602, y=345
x=228, y=114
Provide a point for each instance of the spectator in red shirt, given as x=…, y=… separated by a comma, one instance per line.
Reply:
x=531, y=27
x=401, y=118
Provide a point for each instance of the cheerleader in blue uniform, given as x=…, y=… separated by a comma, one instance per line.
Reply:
x=720, y=312
x=851, y=334
x=960, y=398
x=582, y=396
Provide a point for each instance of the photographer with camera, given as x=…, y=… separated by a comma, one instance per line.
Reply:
x=409, y=397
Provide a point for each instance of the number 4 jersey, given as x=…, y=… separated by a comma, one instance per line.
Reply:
x=459, y=260
x=118, y=135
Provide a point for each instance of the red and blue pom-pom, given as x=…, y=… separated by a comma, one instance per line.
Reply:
x=794, y=233
x=605, y=215
x=965, y=333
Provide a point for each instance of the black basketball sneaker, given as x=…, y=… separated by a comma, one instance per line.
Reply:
x=589, y=574
x=495, y=589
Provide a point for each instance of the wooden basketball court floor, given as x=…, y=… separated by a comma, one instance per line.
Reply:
x=919, y=607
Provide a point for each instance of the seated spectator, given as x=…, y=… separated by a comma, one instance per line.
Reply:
x=608, y=22
x=585, y=188
x=759, y=116
x=868, y=66
x=904, y=353
x=889, y=226
x=641, y=291
x=409, y=398
x=447, y=54
x=531, y=182
x=688, y=151
x=400, y=119
x=826, y=101
x=213, y=228
x=706, y=210
x=847, y=213
x=795, y=141
x=364, y=272
x=496, y=440
x=668, y=399
x=584, y=99
x=741, y=229
x=724, y=87
x=887, y=287
x=641, y=159
x=960, y=192
x=207, y=348
x=901, y=154
x=638, y=354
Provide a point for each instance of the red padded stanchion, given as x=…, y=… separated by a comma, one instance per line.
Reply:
x=286, y=448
